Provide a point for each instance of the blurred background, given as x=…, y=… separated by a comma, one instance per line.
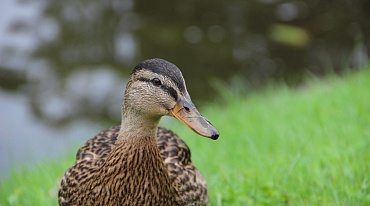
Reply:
x=64, y=64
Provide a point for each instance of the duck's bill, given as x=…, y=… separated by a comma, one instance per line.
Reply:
x=186, y=112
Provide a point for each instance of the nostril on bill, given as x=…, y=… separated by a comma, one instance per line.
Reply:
x=187, y=109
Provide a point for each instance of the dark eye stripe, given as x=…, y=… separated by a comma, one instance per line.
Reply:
x=169, y=90
x=143, y=79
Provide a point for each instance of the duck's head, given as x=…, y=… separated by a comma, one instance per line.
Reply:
x=157, y=88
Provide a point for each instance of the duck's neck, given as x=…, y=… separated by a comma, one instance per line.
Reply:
x=137, y=125
x=142, y=175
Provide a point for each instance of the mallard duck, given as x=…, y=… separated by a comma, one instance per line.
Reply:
x=139, y=163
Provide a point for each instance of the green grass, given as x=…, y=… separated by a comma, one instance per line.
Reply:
x=278, y=146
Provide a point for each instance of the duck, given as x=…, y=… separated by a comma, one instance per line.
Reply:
x=138, y=162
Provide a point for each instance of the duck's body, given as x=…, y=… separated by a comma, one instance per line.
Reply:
x=138, y=163
x=185, y=178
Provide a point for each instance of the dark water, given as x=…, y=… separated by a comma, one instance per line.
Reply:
x=63, y=64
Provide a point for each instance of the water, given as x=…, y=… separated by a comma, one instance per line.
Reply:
x=25, y=141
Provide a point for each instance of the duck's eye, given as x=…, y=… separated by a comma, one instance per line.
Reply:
x=156, y=82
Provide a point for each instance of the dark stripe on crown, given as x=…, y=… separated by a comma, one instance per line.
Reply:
x=165, y=68
x=169, y=90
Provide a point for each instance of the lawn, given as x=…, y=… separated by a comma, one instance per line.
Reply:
x=308, y=145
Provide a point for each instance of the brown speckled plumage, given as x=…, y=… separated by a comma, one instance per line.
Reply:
x=137, y=163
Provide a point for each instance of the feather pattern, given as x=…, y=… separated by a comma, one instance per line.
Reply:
x=189, y=185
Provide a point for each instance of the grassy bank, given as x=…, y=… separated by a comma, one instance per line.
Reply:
x=279, y=146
